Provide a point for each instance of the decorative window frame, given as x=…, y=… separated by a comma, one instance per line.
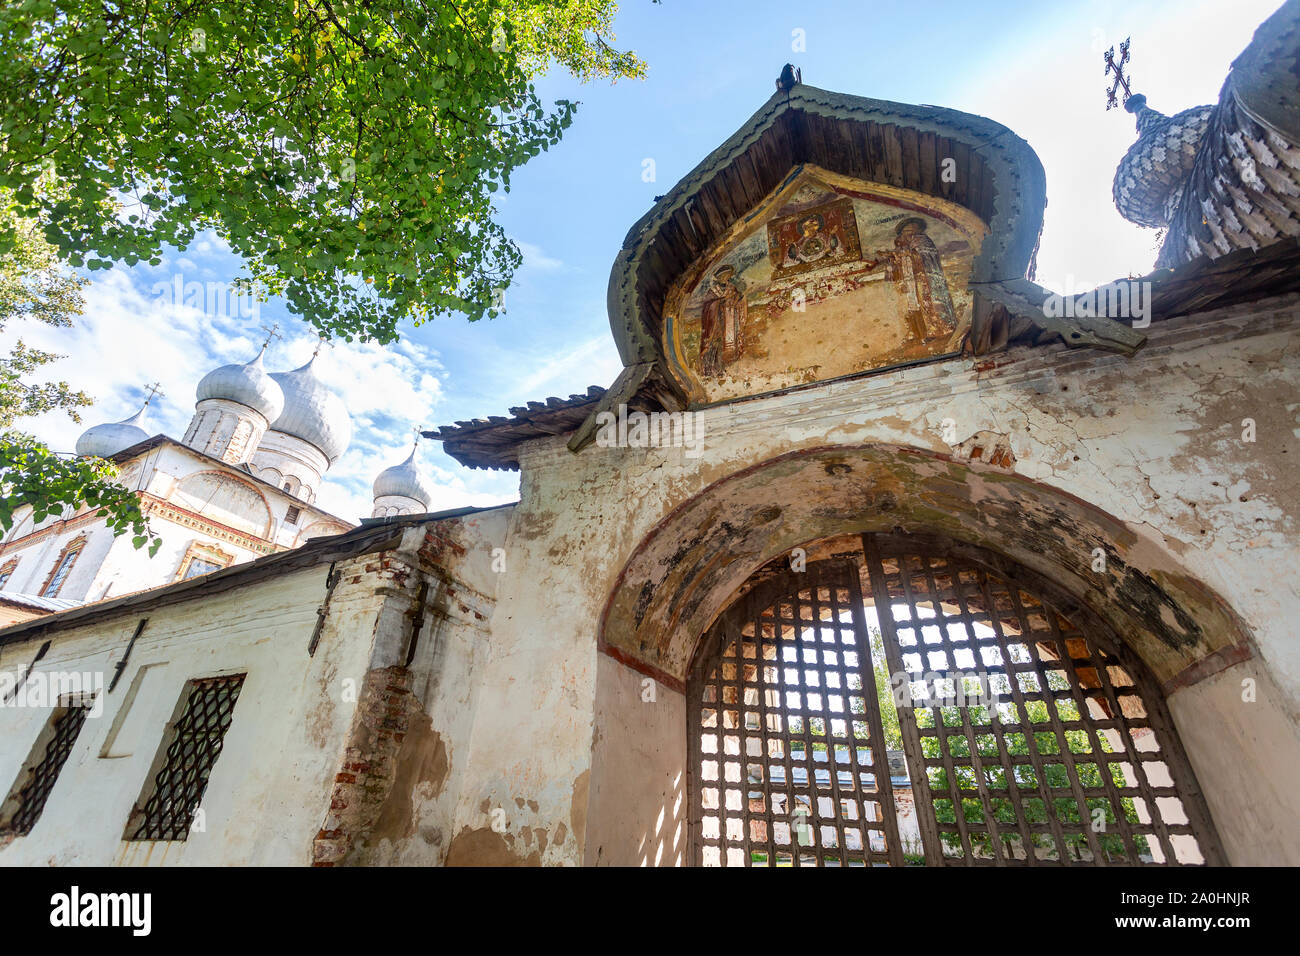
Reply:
x=7, y=571
x=73, y=548
x=203, y=551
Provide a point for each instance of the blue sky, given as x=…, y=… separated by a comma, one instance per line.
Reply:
x=1033, y=66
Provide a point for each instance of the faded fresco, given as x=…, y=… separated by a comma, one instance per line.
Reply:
x=832, y=276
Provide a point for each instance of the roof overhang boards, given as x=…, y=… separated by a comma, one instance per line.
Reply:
x=972, y=171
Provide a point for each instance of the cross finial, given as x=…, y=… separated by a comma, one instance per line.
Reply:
x=153, y=390
x=417, y=430
x=320, y=344
x=1117, y=67
x=272, y=332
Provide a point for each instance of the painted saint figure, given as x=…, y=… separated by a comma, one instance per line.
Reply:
x=813, y=244
x=722, y=322
x=915, y=265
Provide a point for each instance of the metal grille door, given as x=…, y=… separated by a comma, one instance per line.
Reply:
x=1032, y=737
x=196, y=743
x=788, y=759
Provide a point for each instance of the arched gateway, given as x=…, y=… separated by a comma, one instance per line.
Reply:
x=1030, y=734
x=836, y=358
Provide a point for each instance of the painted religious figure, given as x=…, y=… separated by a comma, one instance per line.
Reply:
x=722, y=322
x=914, y=264
x=829, y=276
x=820, y=237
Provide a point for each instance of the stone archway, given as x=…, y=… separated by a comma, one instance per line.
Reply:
x=684, y=572
x=697, y=560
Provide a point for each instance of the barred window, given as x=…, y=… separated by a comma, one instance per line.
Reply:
x=62, y=567
x=167, y=805
x=33, y=786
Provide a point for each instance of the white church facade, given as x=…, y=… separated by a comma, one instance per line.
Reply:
x=240, y=484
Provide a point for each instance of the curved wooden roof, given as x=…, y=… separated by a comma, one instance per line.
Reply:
x=997, y=176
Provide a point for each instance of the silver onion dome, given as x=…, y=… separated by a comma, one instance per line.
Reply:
x=312, y=412
x=1149, y=179
x=405, y=480
x=106, y=440
x=249, y=385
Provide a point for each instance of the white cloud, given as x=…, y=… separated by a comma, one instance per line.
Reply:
x=535, y=258
x=595, y=361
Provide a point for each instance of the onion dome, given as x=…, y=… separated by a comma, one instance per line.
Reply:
x=312, y=412
x=404, y=480
x=1149, y=180
x=249, y=385
x=106, y=440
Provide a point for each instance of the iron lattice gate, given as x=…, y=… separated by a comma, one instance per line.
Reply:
x=1031, y=736
x=789, y=766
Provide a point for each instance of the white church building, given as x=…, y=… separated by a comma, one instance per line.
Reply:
x=242, y=483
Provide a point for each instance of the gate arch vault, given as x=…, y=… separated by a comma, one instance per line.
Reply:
x=688, y=568
x=1030, y=734
x=1169, y=628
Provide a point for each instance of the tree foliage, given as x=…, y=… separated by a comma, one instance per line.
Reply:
x=36, y=286
x=347, y=150
x=31, y=474
x=885, y=693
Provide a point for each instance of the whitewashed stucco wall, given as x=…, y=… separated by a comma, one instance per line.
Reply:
x=529, y=745
x=1154, y=440
x=268, y=759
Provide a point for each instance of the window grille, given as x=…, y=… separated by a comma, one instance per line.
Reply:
x=195, y=743
x=41, y=778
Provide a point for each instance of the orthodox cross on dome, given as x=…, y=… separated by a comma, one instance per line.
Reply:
x=154, y=390
x=272, y=332
x=418, y=430
x=320, y=344
x=1117, y=67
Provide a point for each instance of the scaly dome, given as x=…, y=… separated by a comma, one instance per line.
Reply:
x=404, y=480
x=312, y=412
x=249, y=385
x=1149, y=179
x=106, y=440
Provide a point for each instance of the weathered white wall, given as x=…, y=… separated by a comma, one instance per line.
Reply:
x=275, y=788
x=264, y=799
x=417, y=822
x=523, y=795
x=1154, y=440
x=526, y=744
x=637, y=801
